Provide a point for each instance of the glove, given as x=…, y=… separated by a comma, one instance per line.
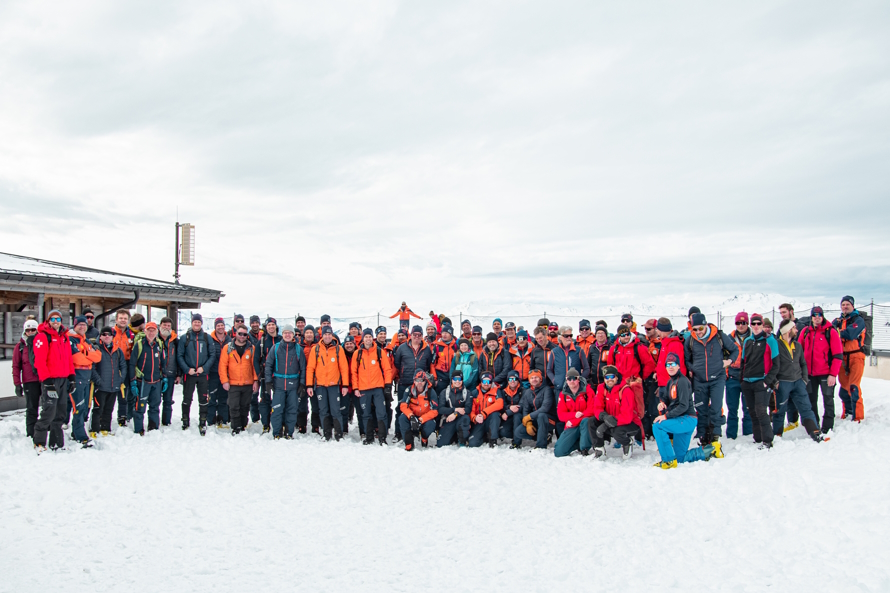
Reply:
x=164, y=384
x=415, y=424
x=530, y=428
x=134, y=389
x=527, y=419
x=19, y=391
x=48, y=382
x=601, y=430
x=610, y=421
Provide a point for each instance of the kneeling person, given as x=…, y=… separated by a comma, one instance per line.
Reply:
x=536, y=412
x=455, y=406
x=572, y=408
x=419, y=407
x=613, y=414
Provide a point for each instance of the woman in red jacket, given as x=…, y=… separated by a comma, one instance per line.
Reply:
x=573, y=410
x=52, y=360
x=613, y=414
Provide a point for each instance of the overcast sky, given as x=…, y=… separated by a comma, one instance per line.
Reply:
x=351, y=155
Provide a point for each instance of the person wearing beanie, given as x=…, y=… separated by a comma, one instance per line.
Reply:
x=305, y=420
x=123, y=341
x=84, y=355
x=598, y=355
x=674, y=425
x=92, y=331
x=538, y=412
x=553, y=333
x=432, y=332
x=196, y=353
x=477, y=342
x=419, y=407
x=709, y=352
x=444, y=350
x=540, y=353
x=466, y=329
x=436, y=321
x=466, y=363
x=630, y=355
x=497, y=327
x=148, y=377
x=511, y=418
x=627, y=320
x=613, y=413
x=170, y=342
x=350, y=406
x=760, y=365
x=388, y=388
x=370, y=372
x=218, y=402
x=327, y=378
x=495, y=360
x=650, y=383
x=852, y=329
x=572, y=405
x=24, y=375
x=485, y=412
x=108, y=376
x=455, y=406
x=355, y=331
x=543, y=322
x=237, y=322
x=768, y=326
x=823, y=353
x=564, y=356
x=734, y=385
x=299, y=324
x=792, y=392
x=585, y=337
x=284, y=372
x=404, y=314
x=671, y=343
x=521, y=358
x=55, y=369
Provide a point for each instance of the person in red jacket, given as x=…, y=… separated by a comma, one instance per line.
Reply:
x=631, y=356
x=24, y=376
x=573, y=411
x=613, y=414
x=52, y=360
x=824, y=355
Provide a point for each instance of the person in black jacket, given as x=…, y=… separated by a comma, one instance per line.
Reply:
x=195, y=353
x=455, y=404
x=543, y=345
x=410, y=357
x=538, y=412
x=147, y=377
x=165, y=327
x=598, y=356
x=792, y=392
x=495, y=360
x=677, y=417
x=108, y=375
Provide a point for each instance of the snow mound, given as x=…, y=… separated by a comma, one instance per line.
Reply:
x=172, y=511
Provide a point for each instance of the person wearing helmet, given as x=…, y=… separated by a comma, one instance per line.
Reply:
x=420, y=408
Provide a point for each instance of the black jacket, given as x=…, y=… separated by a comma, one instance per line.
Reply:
x=109, y=373
x=677, y=396
x=407, y=361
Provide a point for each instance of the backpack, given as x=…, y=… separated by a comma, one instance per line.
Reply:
x=189, y=337
x=274, y=353
x=358, y=361
x=636, y=354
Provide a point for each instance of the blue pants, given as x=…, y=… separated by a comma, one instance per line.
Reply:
x=682, y=429
x=543, y=430
x=371, y=398
x=733, y=399
x=79, y=402
x=329, y=402
x=284, y=408
x=792, y=393
x=167, y=399
x=708, y=397
x=426, y=429
x=491, y=426
x=149, y=397
x=347, y=401
x=572, y=439
x=460, y=427
x=218, y=405
x=509, y=426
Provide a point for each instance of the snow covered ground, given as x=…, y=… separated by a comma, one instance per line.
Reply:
x=176, y=512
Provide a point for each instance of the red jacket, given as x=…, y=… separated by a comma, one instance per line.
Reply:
x=618, y=402
x=823, y=355
x=672, y=343
x=625, y=360
x=567, y=408
x=52, y=353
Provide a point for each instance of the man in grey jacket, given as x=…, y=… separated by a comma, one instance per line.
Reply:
x=704, y=351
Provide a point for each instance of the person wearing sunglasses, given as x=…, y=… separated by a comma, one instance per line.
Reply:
x=24, y=375
x=511, y=419
x=538, y=412
x=92, y=331
x=566, y=356
x=823, y=352
x=553, y=333
x=676, y=422
x=760, y=365
x=598, y=355
x=420, y=408
x=477, y=343
x=485, y=414
x=455, y=407
x=614, y=414
x=55, y=369
x=573, y=406
x=495, y=359
x=108, y=376
x=411, y=356
x=466, y=363
x=631, y=356
x=521, y=357
x=792, y=391
x=284, y=372
x=851, y=327
x=734, y=385
x=709, y=352
x=147, y=377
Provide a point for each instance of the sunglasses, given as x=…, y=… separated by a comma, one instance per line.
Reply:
x=700, y=328
x=756, y=323
x=241, y=335
x=457, y=380
x=486, y=381
x=90, y=316
x=741, y=323
x=816, y=315
x=610, y=377
x=477, y=334
x=59, y=319
x=567, y=335
x=572, y=379
x=671, y=365
x=28, y=331
x=512, y=380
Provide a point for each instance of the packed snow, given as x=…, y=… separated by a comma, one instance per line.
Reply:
x=173, y=511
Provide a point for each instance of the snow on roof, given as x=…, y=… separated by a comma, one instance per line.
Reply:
x=11, y=264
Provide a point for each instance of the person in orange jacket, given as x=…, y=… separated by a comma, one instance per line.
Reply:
x=123, y=341
x=238, y=378
x=420, y=408
x=485, y=414
x=371, y=371
x=83, y=355
x=327, y=378
x=851, y=326
x=404, y=314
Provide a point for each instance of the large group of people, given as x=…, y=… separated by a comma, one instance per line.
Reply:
x=460, y=386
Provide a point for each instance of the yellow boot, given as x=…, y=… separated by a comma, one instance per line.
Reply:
x=666, y=464
x=791, y=427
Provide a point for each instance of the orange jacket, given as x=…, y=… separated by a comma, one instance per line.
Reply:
x=444, y=355
x=83, y=354
x=123, y=340
x=487, y=403
x=478, y=350
x=234, y=369
x=522, y=363
x=423, y=406
x=404, y=314
x=370, y=371
x=585, y=343
x=326, y=366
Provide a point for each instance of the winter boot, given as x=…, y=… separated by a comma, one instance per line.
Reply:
x=791, y=427
x=666, y=464
x=813, y=430
x=599, y=452
x=424, y=442
x=328, y=425
x=628, y=450
x=185, y=423
x=369, y=433
x=152, y=425
x=409, y=441
x=381, y=432
x=713, y=450
x=316, y=423
x=301, y=422
x=338, y=431
x=266, y=428
x=202, y=425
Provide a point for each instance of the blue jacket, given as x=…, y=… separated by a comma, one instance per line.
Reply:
x=109, y=373
x=468, y=365
x=196, y=350
x=147, y=359
x=538, y=401
x=285, y=365
x=704, y=359
x=561, y=360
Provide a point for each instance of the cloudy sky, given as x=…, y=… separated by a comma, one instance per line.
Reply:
x=349, y=155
